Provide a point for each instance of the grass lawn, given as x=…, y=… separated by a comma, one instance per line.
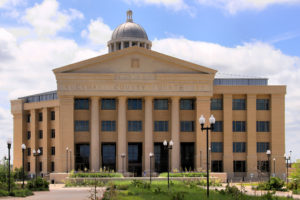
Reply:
x=159, y=191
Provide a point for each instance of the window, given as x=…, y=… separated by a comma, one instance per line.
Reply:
x=239, y=126
x=52, y=133
x=187, y=126
x=262, y=147
x=109, y=155
x=217, y=147
x=52, y=115
x=28, y=118
x=262, y=104
x=40, y=116
x=238, y=104
x=28, y=151
x=187, y=104
x=108, y=126
x=135, y=126
x=81, y=125
x=161, y=126
x=52, y=166
x=263, y=165
x=134, y=104
x=81, y=104
x=41, y=150
x=41, y=134
x=108, y=104
x=239, y=147
x=217, y=166
x=28, y=135
x=41, y=166
x=52, y=151
x=218, y=126
x=262, y=126
x=134, y=152
x=161, y=104
x=239, y=166
x=216, y=104
x=28, y=166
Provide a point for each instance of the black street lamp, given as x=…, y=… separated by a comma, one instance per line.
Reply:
x=70, y=150
x=168, y=146
x=269, y=163
x=36, y=154
x=67, y=153
x=274, y=165
x=23, y=146
x=212, y=121
x=287, y=158
x=151, y=156
x=8, y=147
x=123, y=155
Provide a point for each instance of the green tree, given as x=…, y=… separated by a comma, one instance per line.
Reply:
x=295, y=176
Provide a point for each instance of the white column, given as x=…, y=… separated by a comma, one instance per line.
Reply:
x=148, y=145
x=95, y=139
x=122, y=141
x=175, y=133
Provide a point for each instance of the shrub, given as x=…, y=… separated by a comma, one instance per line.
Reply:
x=74, y=183
x=111, y=192
x=178, y=196
x=3, y=193
x=21, y=193
x=184, y=174
x=274, y=184
x=38, y=184
x=95, y=175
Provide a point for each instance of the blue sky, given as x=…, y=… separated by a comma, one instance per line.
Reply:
x=258, y=38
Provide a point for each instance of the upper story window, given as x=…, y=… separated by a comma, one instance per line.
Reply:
x=81, y=125
x=41, y=134
x=187, y=126
x=262, y=126
x=134, y=104
x=108, y=126
x=216, y=104
x=52, y=151
x=218, y=126
x=161, y=104
x=135, y=126
x=187, y=104
x=238, y=104
x=28, y=151
x=41, y=150
x=28, y=118
x=108, y=104
x=262, y=147
x=161, y=126
x=81, y=104
x=262, y=104
x=40, y=116
x=217, y=147
x=239, y=126
x=28, y=135
x=52, y=115
x=52, y=166
x=239, y=147
x=52, y=133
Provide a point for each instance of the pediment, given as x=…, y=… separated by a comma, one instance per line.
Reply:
x=134, y=60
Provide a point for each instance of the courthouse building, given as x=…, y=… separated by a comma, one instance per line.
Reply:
x=113, y=110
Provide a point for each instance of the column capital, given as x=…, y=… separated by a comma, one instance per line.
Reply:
x=148, y=98
x=175, y=98
x=95, y=98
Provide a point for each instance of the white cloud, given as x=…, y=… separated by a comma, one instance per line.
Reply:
x=173, y=4
x=47, y=19
x=98, y=32
x=7, y=4
x=233, y=6
x=251, y=59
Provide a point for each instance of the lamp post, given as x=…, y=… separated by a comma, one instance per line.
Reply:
x=8, y=147
x=287, y=158
x=212, y=121
x=123, y=155
x=150, y=155
x=274, y=165
x=67, y=152
x=23, y=146
x=36, y=154
x=70, y=159
x=269, y=164
x=168, y=146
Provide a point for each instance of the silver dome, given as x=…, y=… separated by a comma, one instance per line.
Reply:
x=129, y=30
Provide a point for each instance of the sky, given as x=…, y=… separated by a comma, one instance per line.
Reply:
x=239, y=38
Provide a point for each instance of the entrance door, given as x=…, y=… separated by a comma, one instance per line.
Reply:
x=109, y=156
x=187, y=151
x=135, y=153
x=161, y=158
x=82, y=157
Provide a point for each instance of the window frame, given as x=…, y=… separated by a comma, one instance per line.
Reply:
x=161, y=126
x=134, y=126
x=239, y=104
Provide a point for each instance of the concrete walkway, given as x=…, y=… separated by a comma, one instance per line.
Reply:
x=59, y=192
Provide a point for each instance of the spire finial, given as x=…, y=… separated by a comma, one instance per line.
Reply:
x=129, y=16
